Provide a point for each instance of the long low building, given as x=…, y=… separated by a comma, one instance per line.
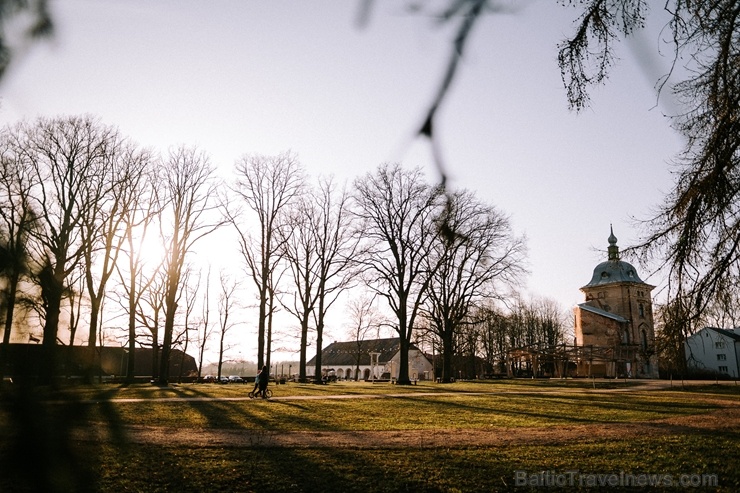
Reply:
x=370, y=359
x=72, y=361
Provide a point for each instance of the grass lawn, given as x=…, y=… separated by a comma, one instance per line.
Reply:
x=39, y=453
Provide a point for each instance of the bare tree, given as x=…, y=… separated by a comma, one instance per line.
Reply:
x=17, y=219
x=365, y=319
x=493, y=330
x=68, y=158
x=187, y=301
x=319, y=248
x=478, y=257
x=150, y=294
x=266, y=185
x=300, y=253
x=103, y=230
x=205, y=323
x=226, y=304
x=75, y=296
x=673, y=325
x=336, y=250
x=395, y=210
x=137, y=221
x=187, y=189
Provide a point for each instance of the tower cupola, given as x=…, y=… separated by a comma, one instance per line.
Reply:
x=613, y=248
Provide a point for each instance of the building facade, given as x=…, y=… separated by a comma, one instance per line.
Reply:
x=614, y=327
x=369, y=359
x=714, y=350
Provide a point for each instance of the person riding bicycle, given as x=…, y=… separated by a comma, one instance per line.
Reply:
x=262, y=379
x=261, y=382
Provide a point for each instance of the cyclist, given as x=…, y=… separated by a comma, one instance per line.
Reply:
x=257, y=382
x=262, y=379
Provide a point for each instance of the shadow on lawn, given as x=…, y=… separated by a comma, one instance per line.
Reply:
x=38, y=449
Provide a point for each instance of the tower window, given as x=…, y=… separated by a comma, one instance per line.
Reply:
x=641, y=310
x=625, y=337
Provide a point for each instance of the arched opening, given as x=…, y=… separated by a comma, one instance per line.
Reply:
x=367, y=373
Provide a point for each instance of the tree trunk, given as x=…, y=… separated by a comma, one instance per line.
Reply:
x=155, y=350
x=130, y=373
x=302, y=354
x=403, y=370
x=48, y=363
x=52, y=287
x=10, y=308
x=164, y=358
x=268, y=350
x=447, y=357
x=319, y=343
x=261, y=326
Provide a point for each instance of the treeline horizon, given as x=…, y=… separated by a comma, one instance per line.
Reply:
x=82, y=204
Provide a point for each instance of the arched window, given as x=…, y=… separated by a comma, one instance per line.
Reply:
x=625, y=337
x=641, y=310
x=644, y=340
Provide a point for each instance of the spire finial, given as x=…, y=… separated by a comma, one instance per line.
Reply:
x=613, y=248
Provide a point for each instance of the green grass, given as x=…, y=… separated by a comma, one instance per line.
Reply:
x=161, y=469
x=387, y=407
x=38, y=454
x=406, y=412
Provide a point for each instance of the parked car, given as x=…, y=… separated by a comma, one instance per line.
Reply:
x=210, y=379
x=235, y=379
x=224, y=379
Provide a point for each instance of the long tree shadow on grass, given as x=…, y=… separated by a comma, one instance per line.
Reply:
x=40, y=429
x=543, y=409
x=260, y=469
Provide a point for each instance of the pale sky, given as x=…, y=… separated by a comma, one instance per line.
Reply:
x=241, y=77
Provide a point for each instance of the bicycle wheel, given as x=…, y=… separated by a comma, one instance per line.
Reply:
x=267, y=394
x=251, y=394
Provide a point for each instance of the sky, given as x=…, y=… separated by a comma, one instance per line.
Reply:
x=239, y=77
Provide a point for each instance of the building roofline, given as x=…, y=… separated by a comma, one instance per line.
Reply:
x=726, y=333
x=603, y=313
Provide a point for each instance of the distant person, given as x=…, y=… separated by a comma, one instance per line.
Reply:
x=263, y=378
x=257, y=381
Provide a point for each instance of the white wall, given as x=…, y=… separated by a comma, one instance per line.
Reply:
x=710, y=350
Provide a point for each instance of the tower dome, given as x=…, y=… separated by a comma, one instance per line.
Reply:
x=613, y=270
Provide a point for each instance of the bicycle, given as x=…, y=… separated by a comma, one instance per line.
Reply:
x=265, y=395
